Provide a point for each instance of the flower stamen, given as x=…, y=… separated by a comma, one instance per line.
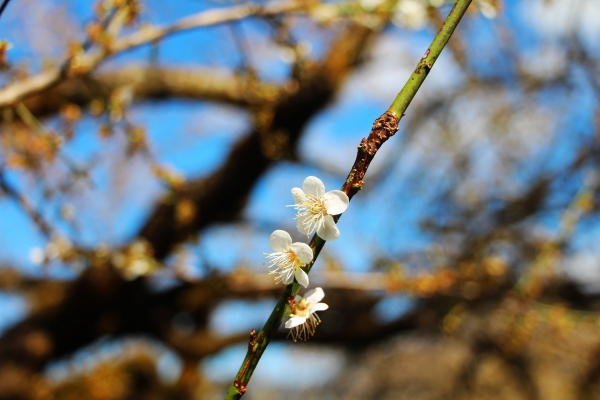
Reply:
x=286, y=260
x=306, y=330
x=315, y=208
x=311, y=212
x=303, y=320
x=284, y=263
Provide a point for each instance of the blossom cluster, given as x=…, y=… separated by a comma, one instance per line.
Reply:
x=315, y=209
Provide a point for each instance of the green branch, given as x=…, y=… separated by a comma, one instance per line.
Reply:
x=418, y=76
x=383, y=128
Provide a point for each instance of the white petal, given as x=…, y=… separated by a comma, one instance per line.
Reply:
x=294, y=321
x=298, y=195
x=288, y=279
x=318, y=307
x=303, y=252
x=301, y=277
x=280, y=241
x=336, y=202
x=313, y=185
x=302, y=226
x=328, y=231
x=314, y=296
x=297, y=298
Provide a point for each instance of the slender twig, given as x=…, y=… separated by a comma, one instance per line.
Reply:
x=245, y=66
x=26, y=205
x=30, y=120
x=418, y=76
x=3, y=6
x=383, y=128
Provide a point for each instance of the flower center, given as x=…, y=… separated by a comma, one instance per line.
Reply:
x=292, y=258
x=315, y=206
x=284, y=265
x=311, y=211
x=301, y=309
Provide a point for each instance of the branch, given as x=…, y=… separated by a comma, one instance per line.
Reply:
x=89, y=61
x=417, y=78
x=11, y=280
x=383, y=128
x=19, y=90
x=3, y=6
x=155, y=83
x=67, y=315
x=25, y=205
x=206, y=18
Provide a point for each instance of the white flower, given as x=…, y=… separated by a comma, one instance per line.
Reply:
x=315, y=208
x=288, y=258
x=411, y=14
x=304, y=321
x=488, y=8
x=37, y=255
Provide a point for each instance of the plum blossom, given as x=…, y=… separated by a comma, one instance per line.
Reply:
x=315, y=208
x=411, y=14
x=303, y=320
x=488, y=8
x=288, y=258
x=37, y=255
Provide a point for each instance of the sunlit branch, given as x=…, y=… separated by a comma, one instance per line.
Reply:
x=431, y=55
x=149, y=82
x=90, y=60
x=203, y=19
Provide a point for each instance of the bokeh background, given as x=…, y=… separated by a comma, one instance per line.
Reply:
x=141, y=179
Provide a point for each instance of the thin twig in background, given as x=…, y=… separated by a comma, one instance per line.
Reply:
x=35, y=125
x=26, y=205
x=3, y=6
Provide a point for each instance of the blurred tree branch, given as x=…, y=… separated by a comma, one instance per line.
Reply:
x=66, y=316
x=149, y=82
x=89, y=60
